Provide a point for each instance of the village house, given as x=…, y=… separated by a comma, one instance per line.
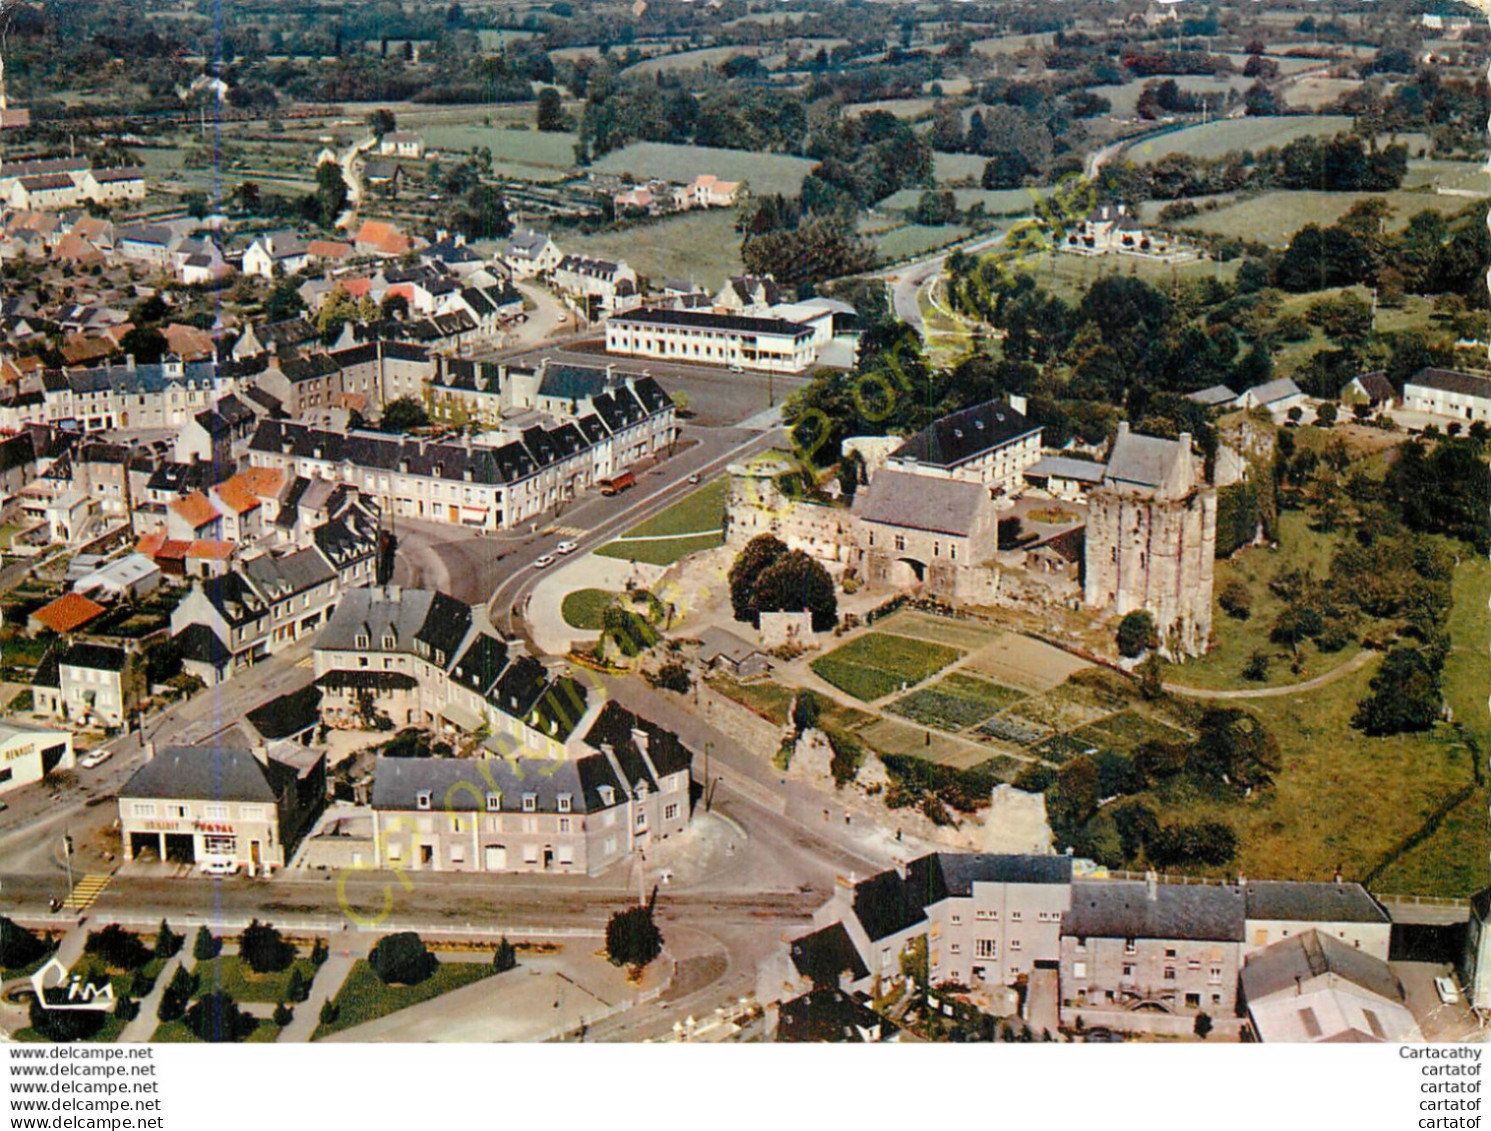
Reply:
x=89, y=685
x=28, y=753
x=611, y=286
x=276, y=254
x=757, y=344
x=1313, y=988
x=1275, y=397
x=1371, y=389
x=1444, y=392
x=530, y=254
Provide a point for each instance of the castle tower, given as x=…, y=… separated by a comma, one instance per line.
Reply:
x=1151, y=538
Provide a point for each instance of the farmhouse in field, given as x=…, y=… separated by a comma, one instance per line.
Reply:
x=1444, y=392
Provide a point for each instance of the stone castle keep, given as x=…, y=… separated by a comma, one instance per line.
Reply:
x=1151, y=538
x=929, y=524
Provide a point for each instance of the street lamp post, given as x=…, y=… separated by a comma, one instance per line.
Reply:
x=67, y=858
x=707, y=747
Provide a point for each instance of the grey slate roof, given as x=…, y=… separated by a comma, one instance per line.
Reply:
x=1141, y=461
x=1450, y=381
x=825, y=954
x=1376, y=385
x=201, y=772
x=1307, y=902
x=699, y=320
x=99, y=657
x=1310, y=955
x=1064, y=467
x=957, y=438
x=462, y=784
x=960, y=871
x=898, y=498
x=1212, y=395
x=1122, y=909
x=829, y=1015
x=1276, y=390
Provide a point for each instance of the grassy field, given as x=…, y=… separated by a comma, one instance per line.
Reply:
x=582, y=609
x=915, y=239
x=700, y=246
x=900, y=107
x=876, y=664
x=1215, y=139
x=365, y=997
x=176, y=1033
x=233, y=977
x=696, y=522
x=508, y=146
x=688, y=60
x=1450, y=174
x=1274, y=217
x=996, y=202
x=1126, y=97
x=765, y=172
x=953, y=168
x=1236, y=640
x=1070, y=276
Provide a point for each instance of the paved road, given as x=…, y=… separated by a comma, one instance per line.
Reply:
x=910, y=278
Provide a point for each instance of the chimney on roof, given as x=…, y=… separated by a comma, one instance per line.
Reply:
x=1123, y=429
x=1151, y=885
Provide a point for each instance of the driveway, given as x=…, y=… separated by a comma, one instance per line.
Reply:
x=1438, y=1021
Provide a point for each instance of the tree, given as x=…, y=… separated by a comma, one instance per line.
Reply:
x=393, y=306
x=506, y=955
x=481, y=214
x=177, y=994
x=329, y=1012
x=1136, y=634
x=216, y=1018
x=63, y=1026
x=382, y=121
x=403, y=414
x=206, y=947
x=1202, y=1027
x=1403, y=696
x=145, y=344
x=551, y=116
x=283, y=1014
x=1326, y=414
x=402, y=959
x=1236, y=600
x=330, y=197
x=797, y=583
x=297, y=988
x=18, y=946
x=1233, y=747
x=264, y=949
x=319, y=953
x=759, y=554
x=117, y=948
x=1256, y=669
x=167, y=943
x=284, y=301
x=1151, y=685
x=632, y=937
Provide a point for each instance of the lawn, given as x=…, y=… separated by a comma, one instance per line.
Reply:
x=1236, y=640
x=765, y=172
x=662, y=551
x=365, y=997
x=877, y=663
x=176, y=1033
x=696, y=522
x=968, y=635
x=232, y=976
x=582, y=609
x=702, y=247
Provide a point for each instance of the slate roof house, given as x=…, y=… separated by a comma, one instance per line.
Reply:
x=194, y=804
x=991, y=444
x=1313, y=988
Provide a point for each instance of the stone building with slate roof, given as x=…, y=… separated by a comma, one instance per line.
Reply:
x=1444, y=392
x=990, y=444
x=193, y=804
x=1151, y=538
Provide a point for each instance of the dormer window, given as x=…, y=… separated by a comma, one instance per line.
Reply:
x=422, y=799
x=608, y=795
x=530, y=803
x=362, y=639
x=494, y=802
x=641, y=791
x=388, y=641
x=564, y=803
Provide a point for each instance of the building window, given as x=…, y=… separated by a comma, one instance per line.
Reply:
x=1170, y=952
x=1014, y=944
x=1079, y=969
x=670, y=812
x=494, y=802
x=143, y=809
x=957, y=919
x=1214, y=975
x=1130, y=946
x=564, y=800
x=530, y=803
x=1015, y=916
x=900, y=541
x=422, y=799
x=986, y=948
x=564, y=824
x=1169, y=973
x=952, y=551
x=1128, y=969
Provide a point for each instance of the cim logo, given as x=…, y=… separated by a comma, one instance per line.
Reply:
x=54, y=976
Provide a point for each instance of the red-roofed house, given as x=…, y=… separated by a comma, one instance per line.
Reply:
x=193, y=517
x=378, y=237
x=67, y=613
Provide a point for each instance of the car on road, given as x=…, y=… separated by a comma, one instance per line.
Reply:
x=544, y=562
x=1448, y=993
x=566, y=547
x=694, y=478
x=219, y=866
x=96, y=758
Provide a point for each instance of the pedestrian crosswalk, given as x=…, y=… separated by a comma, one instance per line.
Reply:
x=567, y=531
x=306, y=662
x=86, y=891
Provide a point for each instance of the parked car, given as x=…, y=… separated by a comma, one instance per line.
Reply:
x=1448, y=992
x=544, y=562
x=219, y=866
x=95, y=758
x=694, y=478
x=566, y=548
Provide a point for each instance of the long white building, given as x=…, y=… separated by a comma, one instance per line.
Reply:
x=763, y=344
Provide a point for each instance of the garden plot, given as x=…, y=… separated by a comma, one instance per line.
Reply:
x=1022, y=662
x=878, y=663
x=1128, y=729
x=965, y=634
x=888, y=736
x=956, y=702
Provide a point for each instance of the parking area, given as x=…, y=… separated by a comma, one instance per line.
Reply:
x=1437, y=1020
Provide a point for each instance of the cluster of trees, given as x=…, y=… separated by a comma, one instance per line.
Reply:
x=1232, y=755
x=632, y=935
x=767, y=577
x=402, y=959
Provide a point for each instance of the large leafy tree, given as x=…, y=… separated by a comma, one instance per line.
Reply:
x=796, y=583
x=632, y=936
x=1404, y=695
x=760, y=554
